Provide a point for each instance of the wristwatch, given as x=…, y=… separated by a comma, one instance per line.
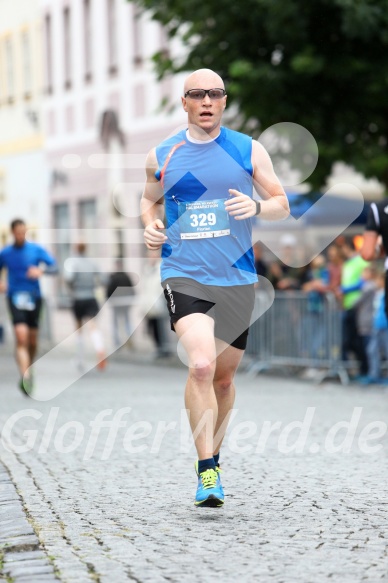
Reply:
x=258, y=207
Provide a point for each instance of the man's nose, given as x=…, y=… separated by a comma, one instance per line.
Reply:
x=207, y=99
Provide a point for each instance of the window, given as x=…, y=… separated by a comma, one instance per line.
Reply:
x=139, y=101
x=10, y=79
x=69, y=119
x=87, y=214
x=164, y=45
x=87, y=219
x=112, y=37
x=2, y=75
x=136, y=35
x=89, y=113
x=48, y=46
x=67, y=46
x=2, y=185
x=87, y=41
x=27, y=72
x=51, y=123
x=62, y=248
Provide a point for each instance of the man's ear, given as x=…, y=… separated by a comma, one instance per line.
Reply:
x=184, y=103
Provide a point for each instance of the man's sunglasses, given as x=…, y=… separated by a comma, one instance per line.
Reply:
x=200, y=93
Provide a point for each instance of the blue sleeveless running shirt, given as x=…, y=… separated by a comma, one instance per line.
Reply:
x=204, y=242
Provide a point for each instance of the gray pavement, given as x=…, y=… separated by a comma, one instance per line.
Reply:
x=21, y=557
x=120, y=508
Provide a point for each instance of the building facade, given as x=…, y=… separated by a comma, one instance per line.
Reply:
x=23, y=169
x=102, y=114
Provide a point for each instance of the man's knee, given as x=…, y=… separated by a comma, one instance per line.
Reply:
x=33, y=343
x=21, y=335
x=202, y=370
x=21, y=341
x=223, y=385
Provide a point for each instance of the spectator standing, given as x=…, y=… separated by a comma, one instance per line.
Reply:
x=365, y=306
x=283, y=274
x=335, y=262
x=313, y=327
x=260, y=265
x=376, y=232
x=121, y=285
x=378, y=345
x=351, y=289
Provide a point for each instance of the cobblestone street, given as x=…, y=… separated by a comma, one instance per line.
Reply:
x=116, y=504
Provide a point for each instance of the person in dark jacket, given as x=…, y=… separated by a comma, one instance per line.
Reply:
x=121, y=286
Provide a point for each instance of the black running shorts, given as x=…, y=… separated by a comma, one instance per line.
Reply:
x=28, y=317
x=230, y=307
x=85, y=308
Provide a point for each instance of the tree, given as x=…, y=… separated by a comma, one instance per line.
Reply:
x=321, y=64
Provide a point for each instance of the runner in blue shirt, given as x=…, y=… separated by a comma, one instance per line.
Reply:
x=23, y=261
x=202, y=180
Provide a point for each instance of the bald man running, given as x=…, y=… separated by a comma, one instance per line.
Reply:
x=202, y=180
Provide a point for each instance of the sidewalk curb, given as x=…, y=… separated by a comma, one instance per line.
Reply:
x=22, y=559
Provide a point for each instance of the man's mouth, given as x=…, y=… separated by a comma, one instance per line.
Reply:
x=206, y=114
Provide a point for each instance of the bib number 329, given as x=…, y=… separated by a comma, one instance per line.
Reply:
x=203, y=219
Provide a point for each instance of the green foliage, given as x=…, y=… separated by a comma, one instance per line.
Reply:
x=321, y=64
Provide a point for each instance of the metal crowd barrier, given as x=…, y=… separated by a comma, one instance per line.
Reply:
x=299, y=330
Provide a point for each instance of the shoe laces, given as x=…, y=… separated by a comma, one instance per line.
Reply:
x=208, y=478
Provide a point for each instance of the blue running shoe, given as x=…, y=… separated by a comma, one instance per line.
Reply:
x=218, y=470
x=209, y=492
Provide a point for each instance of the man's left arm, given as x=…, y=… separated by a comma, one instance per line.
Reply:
x=273, y=205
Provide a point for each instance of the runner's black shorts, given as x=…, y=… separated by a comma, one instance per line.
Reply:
x=230, y=306
x=85, y=308
x=28, y=317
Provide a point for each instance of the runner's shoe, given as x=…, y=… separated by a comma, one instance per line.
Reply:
x=209, y=490
x=102, y=361
x=26, y=386
x=218, y=470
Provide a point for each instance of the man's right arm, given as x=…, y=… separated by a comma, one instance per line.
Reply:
x=152, y=206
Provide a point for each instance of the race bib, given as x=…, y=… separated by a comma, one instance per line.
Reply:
x=23, y=301
x=203, y=219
